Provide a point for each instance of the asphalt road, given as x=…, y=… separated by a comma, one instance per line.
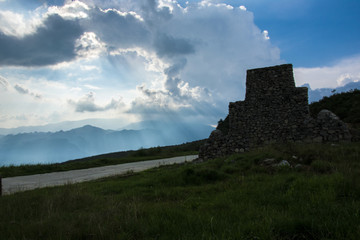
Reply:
x=23, y=183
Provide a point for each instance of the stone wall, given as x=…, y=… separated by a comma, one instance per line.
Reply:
x=274, y=111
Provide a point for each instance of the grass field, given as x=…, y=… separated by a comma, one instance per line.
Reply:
x=226, y=198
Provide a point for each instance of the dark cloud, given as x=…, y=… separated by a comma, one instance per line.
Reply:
x=152, y=94
x=172, y=85
x=172, y=82
x=26, y=91
x=154, y=15
x=175, y=69
x=52, y=43
x=168, y=46
x=4, y=84
x=117, y=29
x=87, y=104
x=21, y=90
x=55, y=39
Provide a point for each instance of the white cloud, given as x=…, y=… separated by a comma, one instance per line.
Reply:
x=50, y=86
x=123, y=14
x=347, y=78
x=209, y=3
x=151, y=61
x=87, y=104
x=226, y=43
x=89, y=46
x=71, y=10
x=266, y=35
x=342, y=72
x=92, y=87
x=15, y=24
x=90, y=68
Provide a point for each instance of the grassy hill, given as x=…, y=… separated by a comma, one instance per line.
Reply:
x=238, y=197
x=345, y=105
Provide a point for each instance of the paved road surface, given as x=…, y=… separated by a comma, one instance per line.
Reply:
x=22, y=183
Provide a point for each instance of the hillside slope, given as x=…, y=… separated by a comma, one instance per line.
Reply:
x=245, y=196
x=345, y=105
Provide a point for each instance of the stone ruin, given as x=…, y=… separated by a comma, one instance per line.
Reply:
x=274, y=111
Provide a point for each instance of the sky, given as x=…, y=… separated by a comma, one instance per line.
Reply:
x=132, y=61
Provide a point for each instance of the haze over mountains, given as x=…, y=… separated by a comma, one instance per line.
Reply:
x=317, y=94
x=51, y=147
x=65, y=126
x=77, y=139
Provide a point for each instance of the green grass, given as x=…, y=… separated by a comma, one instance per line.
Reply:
x=225, y=198
x=104, y=160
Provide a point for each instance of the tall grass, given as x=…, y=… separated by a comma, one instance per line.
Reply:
x=225, y=198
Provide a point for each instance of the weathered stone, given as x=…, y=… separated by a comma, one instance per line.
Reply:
x=326, y=115
x=268, y=161
x=274, y=111
x=283, y=163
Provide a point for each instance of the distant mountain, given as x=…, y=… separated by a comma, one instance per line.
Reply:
x=51, y=147
x=65, y=126
x=317, y=94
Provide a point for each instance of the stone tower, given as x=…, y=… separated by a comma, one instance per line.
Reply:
x=274, y=111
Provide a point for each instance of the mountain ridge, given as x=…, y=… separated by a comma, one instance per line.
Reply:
x=317, y=94
x=88, y=140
